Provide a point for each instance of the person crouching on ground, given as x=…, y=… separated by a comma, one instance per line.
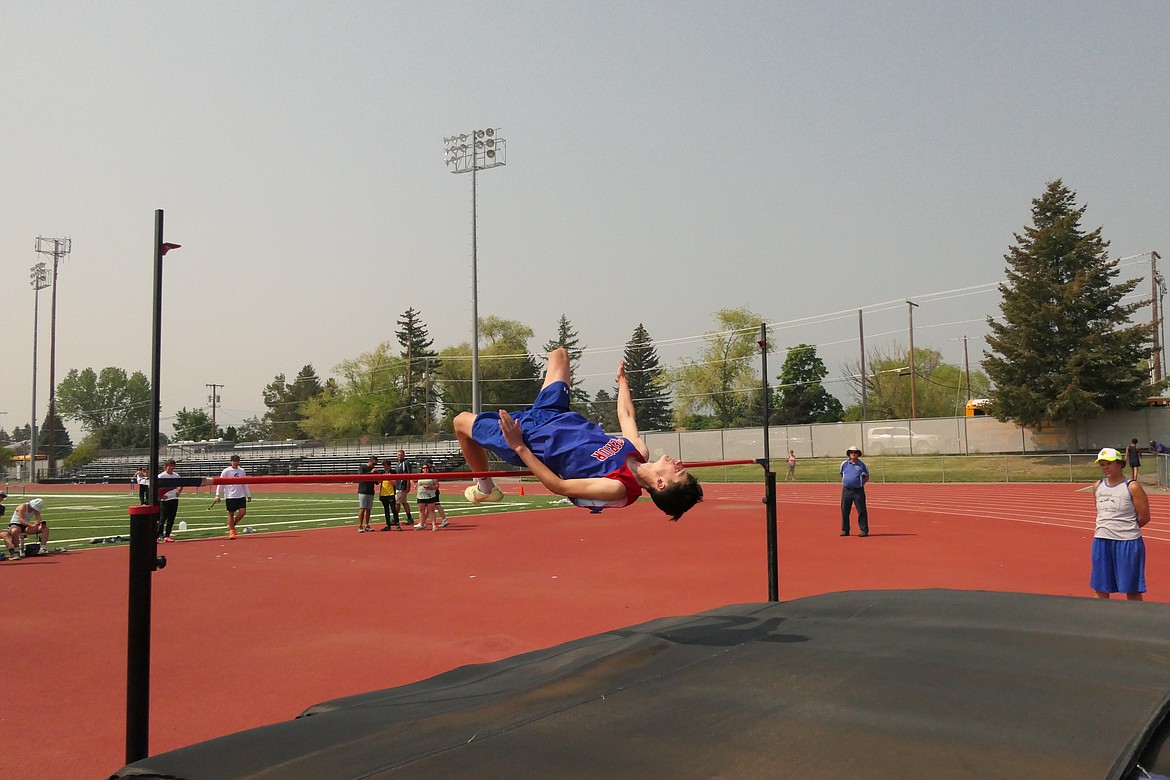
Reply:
x=26, y=521
x=572, y=456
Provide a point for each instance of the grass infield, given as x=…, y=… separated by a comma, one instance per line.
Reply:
x=76, y=520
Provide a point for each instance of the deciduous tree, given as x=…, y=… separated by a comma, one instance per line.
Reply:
x=721, y=379
x=364, y=400
x=801, y=398
x=510, y=377
x=192, y=425
x=284, y=401
x=112, y=404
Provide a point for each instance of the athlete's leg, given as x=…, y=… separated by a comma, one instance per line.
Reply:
x=558, y=368
x=473, y=453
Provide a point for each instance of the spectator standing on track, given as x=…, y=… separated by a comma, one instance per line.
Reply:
x=791, y=475
x=854, y=476
x=572, y=456
x=386, y=496
x=428, y=499
x=1133, y=457
x=365, y=492
x=236, y=496
x=1119, y=552
x=168, y=505
x=142, y=479
x=402, y=487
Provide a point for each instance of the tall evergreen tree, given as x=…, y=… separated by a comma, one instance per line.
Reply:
x=422, y=366
x=568, y=338
x=603, y=411
x=62, y=443
x=649, y=382
x=802, y=397
x=1066, y=349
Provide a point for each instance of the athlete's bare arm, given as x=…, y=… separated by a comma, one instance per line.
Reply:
x=625, y=412
x=592, y=487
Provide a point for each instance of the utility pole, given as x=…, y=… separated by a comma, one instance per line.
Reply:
x=861, y=339
x=60, y=248
x=1158, y=285
x=213, y=399
x=967, y=368
x=913, y=396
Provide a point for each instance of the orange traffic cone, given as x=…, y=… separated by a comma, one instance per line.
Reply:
x=521, y=488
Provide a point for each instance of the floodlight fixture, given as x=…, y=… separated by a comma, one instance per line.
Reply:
x=471, y=158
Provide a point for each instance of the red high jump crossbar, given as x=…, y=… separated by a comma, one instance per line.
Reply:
x=293, y=479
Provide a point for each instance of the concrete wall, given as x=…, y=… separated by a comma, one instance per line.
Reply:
x=936, y=436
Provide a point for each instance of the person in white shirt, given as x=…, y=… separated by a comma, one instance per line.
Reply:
x=1119, y=552
x=142, y=479
x=168, y=503
x=26, y=521
x=237, y=496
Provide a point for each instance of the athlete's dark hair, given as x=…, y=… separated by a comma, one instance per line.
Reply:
x=677, y=499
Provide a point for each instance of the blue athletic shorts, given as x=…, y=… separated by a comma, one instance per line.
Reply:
x=552, y=402
x=1119, y=566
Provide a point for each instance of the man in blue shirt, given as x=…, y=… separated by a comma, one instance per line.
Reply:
x=854, y=475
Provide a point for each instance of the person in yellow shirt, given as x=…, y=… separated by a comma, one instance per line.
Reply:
x=386, y=496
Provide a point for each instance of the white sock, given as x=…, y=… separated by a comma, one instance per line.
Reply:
x=485, y=485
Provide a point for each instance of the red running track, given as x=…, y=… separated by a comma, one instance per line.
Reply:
x=253, y=631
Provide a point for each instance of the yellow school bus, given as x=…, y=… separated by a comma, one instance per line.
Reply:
x=978, y=407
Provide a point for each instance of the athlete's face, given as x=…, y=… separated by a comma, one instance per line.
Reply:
x=667, y=472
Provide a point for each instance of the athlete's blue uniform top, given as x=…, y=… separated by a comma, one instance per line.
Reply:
x=572, y=446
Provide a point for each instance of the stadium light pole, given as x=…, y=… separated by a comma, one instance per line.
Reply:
x=38, y=277
x=471, y=153
x=56, y=248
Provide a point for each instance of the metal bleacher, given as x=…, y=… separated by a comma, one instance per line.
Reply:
x=208, y=459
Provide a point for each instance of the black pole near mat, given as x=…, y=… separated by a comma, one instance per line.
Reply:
x=144, y=541
x=143, y=562
x=769, y=477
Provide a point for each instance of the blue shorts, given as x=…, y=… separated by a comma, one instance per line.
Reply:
x=1119, y=566
x=552, y=402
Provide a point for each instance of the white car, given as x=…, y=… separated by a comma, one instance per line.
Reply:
x=900, y=440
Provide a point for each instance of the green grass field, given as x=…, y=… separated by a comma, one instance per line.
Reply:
x=77, y=519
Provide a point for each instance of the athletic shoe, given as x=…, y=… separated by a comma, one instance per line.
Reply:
x=169, y=540
x=231, y=534
x=444, y=524
x=418, y=526
x=477, y=496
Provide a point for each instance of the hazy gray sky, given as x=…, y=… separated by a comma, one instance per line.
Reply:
x=665, y=160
